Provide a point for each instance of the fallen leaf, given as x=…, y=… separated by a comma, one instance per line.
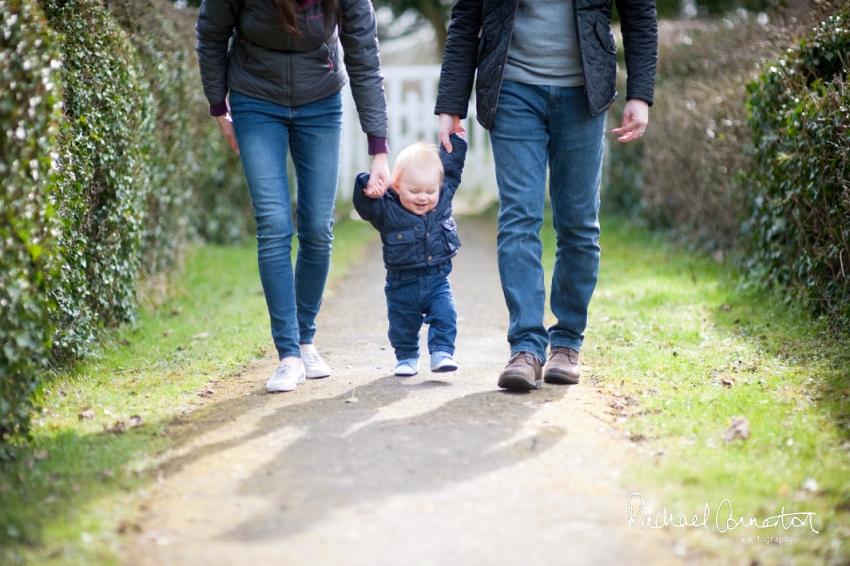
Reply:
x=351, y=400
x=726, y=308
x=86, y=415
x=617, y=406
x=127, y=526
x=136, y=420
x=168, y=332
x=810, y=485
x=201, y=335
x=740, y=429
x=783, y=489
x=728, y=382
x=118, y=428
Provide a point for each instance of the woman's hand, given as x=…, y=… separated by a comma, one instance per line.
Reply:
x=450, y=124
x=635, y=119
x=379, y=176
x=225, y=122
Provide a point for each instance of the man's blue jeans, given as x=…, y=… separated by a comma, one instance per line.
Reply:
x=422, y=295
x=312, y=133
x=535, y=126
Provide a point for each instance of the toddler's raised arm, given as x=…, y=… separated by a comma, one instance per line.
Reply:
x=453, y=163
x=369, y=208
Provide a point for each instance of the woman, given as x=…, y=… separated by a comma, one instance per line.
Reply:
x=280, y=62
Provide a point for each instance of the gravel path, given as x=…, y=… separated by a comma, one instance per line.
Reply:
x=366, y=468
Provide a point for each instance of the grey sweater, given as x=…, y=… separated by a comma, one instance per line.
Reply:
x=544, y=49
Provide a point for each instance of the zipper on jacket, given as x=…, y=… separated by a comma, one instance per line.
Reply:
x=580, y=54
x=287, y=89
x=502, y=79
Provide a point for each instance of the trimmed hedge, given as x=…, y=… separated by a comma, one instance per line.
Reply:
x=105, y=177
x=799, y=226
x=103, y=188
x=30, y=108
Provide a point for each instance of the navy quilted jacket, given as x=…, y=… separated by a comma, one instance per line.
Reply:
x=412, y=241
x=479, y=37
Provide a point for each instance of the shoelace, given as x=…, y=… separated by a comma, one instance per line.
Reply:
x=312, y=358
x=282, y=371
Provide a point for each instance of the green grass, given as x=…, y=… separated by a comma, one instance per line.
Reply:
x=75, y=493
x=666, y=329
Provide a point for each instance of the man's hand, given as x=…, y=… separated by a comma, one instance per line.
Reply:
x=635, y=120
x=225, y=122
x=450, y=124
x=379, y=176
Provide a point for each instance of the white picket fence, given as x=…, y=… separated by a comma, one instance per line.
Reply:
x=411, y=95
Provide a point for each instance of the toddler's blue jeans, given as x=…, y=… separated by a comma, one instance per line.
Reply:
x=422, y=295
x=312, y=133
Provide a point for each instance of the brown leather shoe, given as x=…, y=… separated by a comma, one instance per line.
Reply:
x=523, y=373
x=562, y=367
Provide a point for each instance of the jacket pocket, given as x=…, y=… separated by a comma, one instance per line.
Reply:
x=603, y=32
x=450, y=230
x=400, y=247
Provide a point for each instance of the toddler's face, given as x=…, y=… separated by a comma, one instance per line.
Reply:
x=419, y=190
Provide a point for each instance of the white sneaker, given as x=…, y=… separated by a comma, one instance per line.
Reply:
x=442, y=362
x=286, y=378
x=315, y=365
x=406, y=368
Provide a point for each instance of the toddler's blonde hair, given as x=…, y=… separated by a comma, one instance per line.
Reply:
x=419, y=154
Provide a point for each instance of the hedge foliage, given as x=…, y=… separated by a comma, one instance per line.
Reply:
x=683, y=177
x=105, y=176
x=799, y=226
x=30, y=108
x=110, y=165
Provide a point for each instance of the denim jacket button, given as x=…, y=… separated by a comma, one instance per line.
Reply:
x=399, y=236
x=427, y=234
x=429, y=258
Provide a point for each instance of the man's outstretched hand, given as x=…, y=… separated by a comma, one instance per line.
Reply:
x=635, y=120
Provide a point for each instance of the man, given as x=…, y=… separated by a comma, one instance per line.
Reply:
x=546, y=73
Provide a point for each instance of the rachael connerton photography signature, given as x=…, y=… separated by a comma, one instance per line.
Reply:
x=724, y=519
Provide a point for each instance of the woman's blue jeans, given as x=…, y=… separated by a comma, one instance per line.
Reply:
x=312, y=133
x=535, y=127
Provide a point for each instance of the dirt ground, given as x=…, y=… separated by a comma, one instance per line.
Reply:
x=365, y=468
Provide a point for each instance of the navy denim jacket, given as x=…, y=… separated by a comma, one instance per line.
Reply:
x=412, y=241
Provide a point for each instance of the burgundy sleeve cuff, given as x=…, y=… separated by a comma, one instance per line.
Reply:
x=377, y=145
x=219, y=109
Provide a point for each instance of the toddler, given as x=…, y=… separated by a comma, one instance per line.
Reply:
x=420, y=237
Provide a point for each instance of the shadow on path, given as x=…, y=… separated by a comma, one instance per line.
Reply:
x=328, y=467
